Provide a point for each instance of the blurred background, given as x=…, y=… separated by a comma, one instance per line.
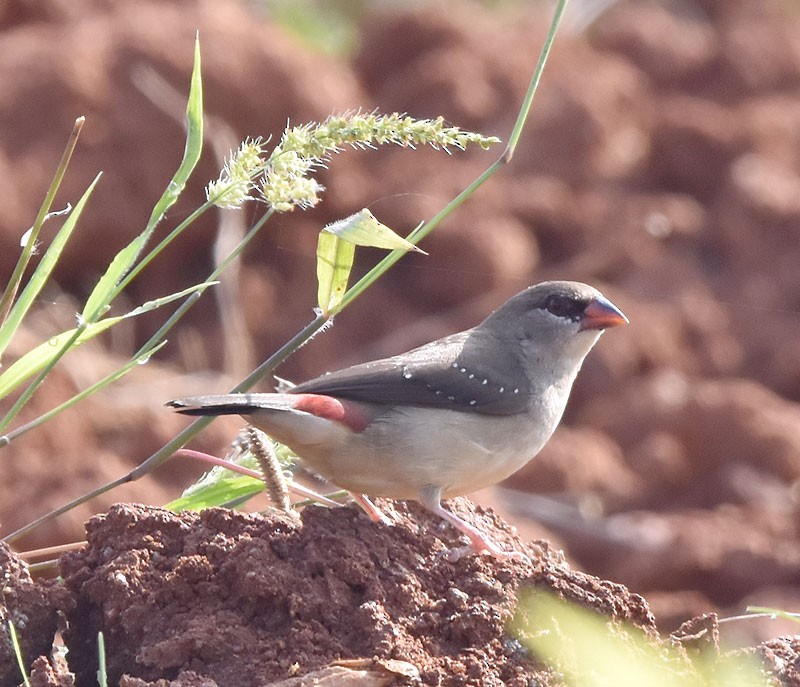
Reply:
x=661, y=164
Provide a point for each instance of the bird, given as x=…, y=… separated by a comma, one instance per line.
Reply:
x=442, y=420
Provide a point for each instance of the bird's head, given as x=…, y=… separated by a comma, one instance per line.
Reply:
x=555, y=318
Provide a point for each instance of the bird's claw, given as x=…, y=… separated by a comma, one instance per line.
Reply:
x=456, y=554
x=373, y=512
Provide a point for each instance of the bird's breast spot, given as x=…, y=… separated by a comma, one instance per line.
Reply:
x=348, y=413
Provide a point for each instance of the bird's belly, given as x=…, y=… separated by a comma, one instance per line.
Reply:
x=388, y=459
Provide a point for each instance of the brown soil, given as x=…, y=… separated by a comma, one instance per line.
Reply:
x=662, y=163
x=231, y=599
x=247, y=599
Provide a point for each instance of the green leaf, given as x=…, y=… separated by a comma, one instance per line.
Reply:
x=43, y=271
x=38, y=358
x=30, y=237
x=222, y=492
x=41, y=356
x=117, y=374
x=194, y=144
x=101, y=296
x=106, y=289
x=363, y=229
x=334, y=263
x=164, y=300
x=336, y=252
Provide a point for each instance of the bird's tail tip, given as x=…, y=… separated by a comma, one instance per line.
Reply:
x=205, y=405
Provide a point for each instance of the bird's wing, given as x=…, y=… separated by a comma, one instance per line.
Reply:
x=450, y=373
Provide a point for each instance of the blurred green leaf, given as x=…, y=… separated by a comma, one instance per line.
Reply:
x=775, y=613
x=327, y=26
x=591, y=650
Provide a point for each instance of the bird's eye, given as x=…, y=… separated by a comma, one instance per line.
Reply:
x=562, y=305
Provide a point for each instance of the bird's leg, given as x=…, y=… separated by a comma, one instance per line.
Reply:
x=375, y=514
x=431, y=498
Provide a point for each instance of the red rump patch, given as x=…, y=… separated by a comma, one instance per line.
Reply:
x=348, y=413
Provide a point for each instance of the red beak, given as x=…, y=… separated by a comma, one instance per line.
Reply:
x=601, y=314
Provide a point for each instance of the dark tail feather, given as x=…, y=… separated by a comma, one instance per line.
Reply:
x=213, y=405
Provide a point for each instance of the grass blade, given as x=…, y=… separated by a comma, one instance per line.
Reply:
x=12, y=631
x=42, y=272
x=137, y=360
x=16, y=278
x=38, y=358
x=47, y=354
x=102, y=673
x=112, y=281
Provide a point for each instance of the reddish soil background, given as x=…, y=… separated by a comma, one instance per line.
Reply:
x=662, y=164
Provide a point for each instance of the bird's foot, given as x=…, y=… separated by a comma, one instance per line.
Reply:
x=373, y=512
x=478, y=541
x=485, y=546
x=512, y=555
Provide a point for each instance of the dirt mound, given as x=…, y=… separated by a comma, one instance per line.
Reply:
x=235, y=600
